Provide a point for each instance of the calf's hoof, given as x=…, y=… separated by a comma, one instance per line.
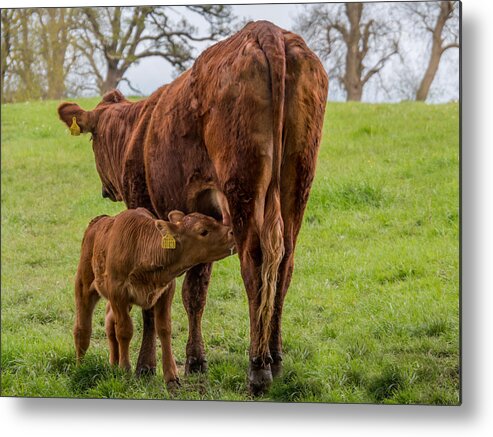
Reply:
x=173, y=385
x=195, y=365
x=146, y=370
x=259, y=376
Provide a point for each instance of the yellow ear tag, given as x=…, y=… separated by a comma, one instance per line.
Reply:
x=74, y=129
x=168, y=242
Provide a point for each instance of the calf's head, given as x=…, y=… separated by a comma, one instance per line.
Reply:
x=201, y=239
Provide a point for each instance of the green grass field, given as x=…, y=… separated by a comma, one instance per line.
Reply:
x=372, y=315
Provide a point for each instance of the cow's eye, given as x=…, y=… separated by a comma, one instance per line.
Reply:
x=204, y=233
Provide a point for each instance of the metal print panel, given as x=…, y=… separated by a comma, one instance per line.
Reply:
x=291, y=170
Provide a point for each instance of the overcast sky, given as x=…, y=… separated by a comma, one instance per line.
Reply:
x=151, y=73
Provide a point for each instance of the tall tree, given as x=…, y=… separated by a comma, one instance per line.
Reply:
x=56, y=27
x=25, y=64
x=112, y=39
x=353, y=38
x=6, y=48
x=441, y=21
x=35, y=52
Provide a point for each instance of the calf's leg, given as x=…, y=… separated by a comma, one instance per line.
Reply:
x=146, y=363
x=194, y=295
x=86, y=298
x=111, y=335
x=162, y=315
x=123, y=331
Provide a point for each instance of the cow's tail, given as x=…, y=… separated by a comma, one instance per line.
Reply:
x=271, y=42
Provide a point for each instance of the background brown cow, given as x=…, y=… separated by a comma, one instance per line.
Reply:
x=235, y=137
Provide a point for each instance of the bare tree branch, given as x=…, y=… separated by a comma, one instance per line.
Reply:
x=117, y=37
x=349, y=37
x=135, y=90
x=443, y=12
x=450, y=46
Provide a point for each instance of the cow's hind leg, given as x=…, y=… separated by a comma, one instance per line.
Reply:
x=247, y=201
x=293, y=206
x=247, y=234
x=306, y=92
x=296, y=177
x=194, y=295
x=86, y=298
x=244, y=165
x=284, y=278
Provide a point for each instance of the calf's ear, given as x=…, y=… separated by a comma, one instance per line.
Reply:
x=84, y=119
x=161, y=226
x=175, y=216
x=165, y=228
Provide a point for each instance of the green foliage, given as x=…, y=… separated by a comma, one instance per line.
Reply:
x=372, y=313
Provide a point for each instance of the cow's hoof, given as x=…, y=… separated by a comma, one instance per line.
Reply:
x=173, y=385
x=142, y=371
x=276, y=365
x=259, y=376
x=195, y=365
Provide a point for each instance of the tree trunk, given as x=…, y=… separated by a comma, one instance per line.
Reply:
x=433, y=63
x=30, y=88
x=352, y=78
x=437, y=50
x=354, y=93
x=55, y=55
x=112, y=79
x=6, y=47
x=56, y=82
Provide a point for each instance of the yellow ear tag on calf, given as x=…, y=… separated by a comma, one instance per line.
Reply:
x=168, y=242
x=74, y=129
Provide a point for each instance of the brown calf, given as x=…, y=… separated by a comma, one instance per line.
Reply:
x=123, y=260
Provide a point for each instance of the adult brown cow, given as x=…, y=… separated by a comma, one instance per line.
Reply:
x=235, y=137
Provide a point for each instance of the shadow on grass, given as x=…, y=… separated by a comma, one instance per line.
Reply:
x=432, y=328
x=60, y=363
x=387, y=383
x=296, y=385
x=90, y=372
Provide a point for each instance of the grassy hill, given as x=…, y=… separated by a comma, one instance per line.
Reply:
x=372, y=314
